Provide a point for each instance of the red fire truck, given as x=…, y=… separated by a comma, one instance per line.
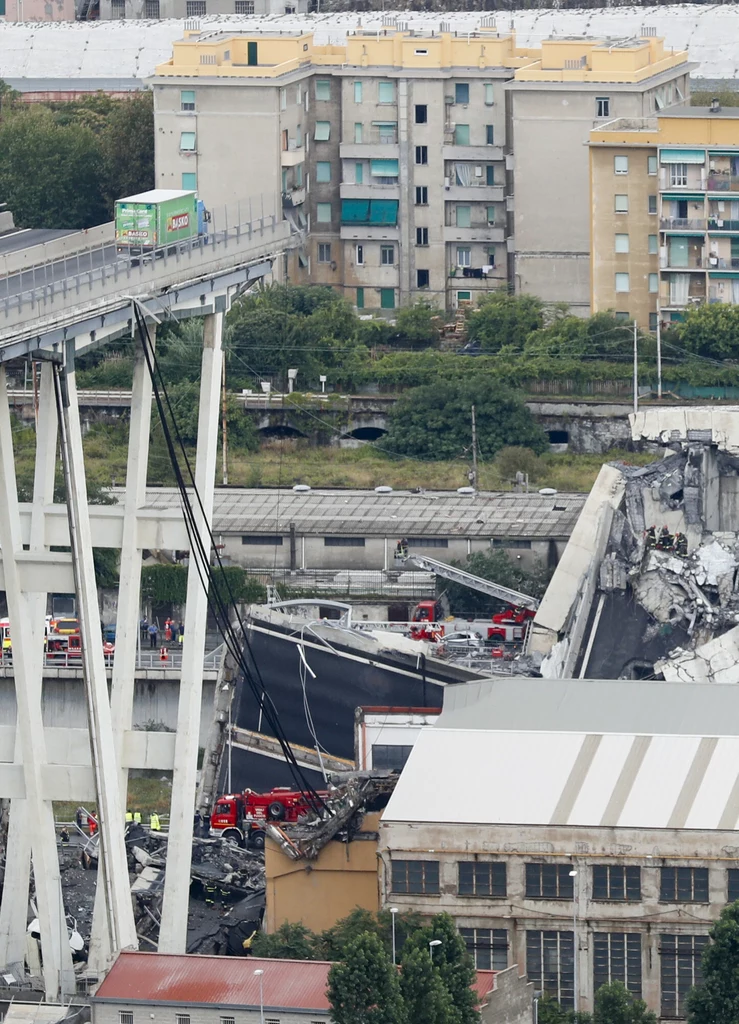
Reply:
x=241, y=816
x=508, y=626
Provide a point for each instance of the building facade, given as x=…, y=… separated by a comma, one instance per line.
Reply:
x=401, y=155
x=125, y=10
x=665, y=227
x=575, y=84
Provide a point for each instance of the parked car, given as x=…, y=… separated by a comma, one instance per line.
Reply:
x=463, y=641
x=472, y=348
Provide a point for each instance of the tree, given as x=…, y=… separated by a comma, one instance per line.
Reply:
x=434, y=421
x=503, y=319
x=364, y=987
x=453, y=963
x=711, y=330
x=498, y=567
x=334, y=941
x=427, y=1000
x=128, y=148
x=417, y=326
x=614, y=1004
x=289, y=942
x=716, y=999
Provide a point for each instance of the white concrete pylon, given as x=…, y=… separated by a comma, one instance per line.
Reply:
x=173, y=930
x=27, y=639
x=112, y=863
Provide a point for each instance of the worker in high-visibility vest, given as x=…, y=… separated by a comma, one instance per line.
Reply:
x=137, y=817
x=129, y=816
x=154, y=823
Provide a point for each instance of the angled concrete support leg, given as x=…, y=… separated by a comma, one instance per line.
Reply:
x=173, y=931
x=14, y=905
x=26, y=625
x=112, y=865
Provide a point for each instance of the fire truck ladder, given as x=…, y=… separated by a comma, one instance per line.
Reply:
x=448, y=572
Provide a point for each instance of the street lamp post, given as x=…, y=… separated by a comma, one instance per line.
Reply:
x=260, y=974
x=573, y=876
x=393, y=912
x=432, y=943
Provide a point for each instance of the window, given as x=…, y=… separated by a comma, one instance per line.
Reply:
x=357, y=92
x=415, y=876
x=387, y=298
x=481, y=878
x=228, y=1020
x=678, y=174
x=421, y=53
x=489, y=134
x=488, y=87
x=189, y=181
x=683, y=885
x=651, y=165
x=491, y=259
x=385, y=171
x=550, y=963
x=622, y=282
x=298, y=175
x=653, y=246
x=652, y=321
x=680, y=970
x=358, y=174
x=461, y=135
x=323, y=89
x=283, y=99
x=125, y=1017
x=323, y=213
x=195, y=9
x=622, y=314
x=390, y=755
x=427, y=542
x=422, y=113
x=359, y=255
x=422, y=195
x=386, y=92
x=617, y=957
x=422, y=236
x=387, y=132
x=621, y=204
x=387, y=255
x=323, y=172
x=602, y=106
x=654, y=283
x=652, y=204
x=271, y=1020
x=255, y=539
x=463, y=215
x=151, y=9
x=488, y=947
x=549, y=881
x=510, y=542
x=464, y=256
x=422, y=279
x=614, y=882
x=489, y=175
x=182, y=1018
x=462, y=92
x=323, y=131
x=360, y=298
x=491, y=215
x=187, y=99
x=324, y=252
x=244, y=7
x=732, y=879
x=358, y=133
x=187, y=142
x=621, y=243
x=252, y=55
x=620, y=165
x=422, y=154
x=464, y=297
x=343, y=542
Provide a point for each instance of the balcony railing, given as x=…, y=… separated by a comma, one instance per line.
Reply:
x=718, y=182
x=720, y=263
x=719, y=224
x=678, y=223
x=692, y=262
x=692, y=300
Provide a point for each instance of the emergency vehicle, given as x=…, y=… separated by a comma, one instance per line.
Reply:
x=242, y=816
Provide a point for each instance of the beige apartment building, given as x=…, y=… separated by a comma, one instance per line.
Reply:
x=665, y=228
x=393, y=151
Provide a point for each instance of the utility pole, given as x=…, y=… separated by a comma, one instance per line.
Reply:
x=473, y=480
x=636, y=370
x=659, y=353
x=224, y=432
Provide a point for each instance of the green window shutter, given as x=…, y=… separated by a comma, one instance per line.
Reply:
x=355, y=211
x=464, y=214
x=323, y=89
x=490, y=175
x=360, y=298
x=189, y=181
x=462, y=135
x=323, y=131
x=383, y=211
x=323, y=172
x=386, y=92
x=384, y=168
x=387, y=298
x=682, y=156
x=252, y=58
x=187, y=141
x=358, y=174
x=357, y=92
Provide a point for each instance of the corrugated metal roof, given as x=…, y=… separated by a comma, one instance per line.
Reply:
x=171, y=978
x=365, y=513
x=626, y=780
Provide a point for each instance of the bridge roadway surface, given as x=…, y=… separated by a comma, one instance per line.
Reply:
x=59, y=270
x=24, y=238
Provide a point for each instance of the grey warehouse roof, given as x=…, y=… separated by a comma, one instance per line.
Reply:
x=365, y=513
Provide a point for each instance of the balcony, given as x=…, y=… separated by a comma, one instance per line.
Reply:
x=718, y=224
x=292, y=157
x=474, y=193
x=293, y=197
x=721, y=263
x=368, y=232
x=369, y=190
x=694, y=181
x=719, y=181
x=693, y=263
x=476, y=233
x=682, y=223
x=484, y=154
x=368, y=148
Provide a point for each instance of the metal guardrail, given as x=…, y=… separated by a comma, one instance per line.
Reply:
x=148, y=659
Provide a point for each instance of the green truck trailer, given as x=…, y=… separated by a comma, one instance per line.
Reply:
x=157, y=220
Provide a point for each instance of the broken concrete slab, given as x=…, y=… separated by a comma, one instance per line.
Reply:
x=714, y=662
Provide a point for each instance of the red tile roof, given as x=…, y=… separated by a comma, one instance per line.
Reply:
x=225, y=981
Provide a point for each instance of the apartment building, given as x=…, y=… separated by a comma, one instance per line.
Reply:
x=155, y=10
x=575, y=84
x=567, y=836
x=665, y=227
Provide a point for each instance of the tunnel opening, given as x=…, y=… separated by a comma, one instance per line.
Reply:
x=367, y=433
x=280, y=430
x=559, y=436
